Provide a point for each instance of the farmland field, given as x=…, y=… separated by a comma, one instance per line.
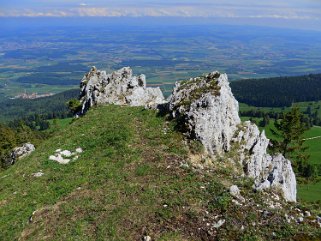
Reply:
x=53, y=56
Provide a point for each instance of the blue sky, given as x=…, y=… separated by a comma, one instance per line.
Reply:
x=304, y=12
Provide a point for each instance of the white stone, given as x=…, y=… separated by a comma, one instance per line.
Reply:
x=219, y=223
x=119, y=88
x=147, y=238
x=66, y=153
x=38, y=174
x=79, y=150
x=235, y=192
x=58, y=158
x=20, y=152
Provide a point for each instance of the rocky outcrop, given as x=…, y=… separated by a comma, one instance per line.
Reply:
x=119, y=88
x=266, y=170
x=207, y=111
x=20, y=152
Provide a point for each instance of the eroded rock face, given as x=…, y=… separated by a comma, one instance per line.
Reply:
x=119, y=87
x=266, y=170
x=20, y=152
x=207, y=109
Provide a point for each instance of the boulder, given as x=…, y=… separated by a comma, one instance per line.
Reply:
x=119, y=88
x=20, y=152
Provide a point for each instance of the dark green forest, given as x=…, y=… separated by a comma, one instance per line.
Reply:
x=51, y=107
x=279, y=91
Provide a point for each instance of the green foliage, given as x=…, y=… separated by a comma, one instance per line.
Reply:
x=51, y=107
x=74, y=105
x=8, y=140
x=278, y=92
x=291, y=128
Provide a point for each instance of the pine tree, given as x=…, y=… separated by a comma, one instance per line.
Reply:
x=291, y=128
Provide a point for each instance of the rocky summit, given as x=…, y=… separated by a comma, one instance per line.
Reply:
x=119, y=87
x=205, y=110
x=208, y=112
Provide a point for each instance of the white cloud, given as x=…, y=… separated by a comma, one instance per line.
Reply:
x=178, y=10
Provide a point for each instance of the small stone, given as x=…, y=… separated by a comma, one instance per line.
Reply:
x=307, y=214
x=79, y=150
x=219, y=223
x=147, y=238
x=38, y=174
x=66, y=153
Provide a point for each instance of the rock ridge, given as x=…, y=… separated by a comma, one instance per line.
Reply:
x=205, y=110
x=119, y=87
x=208, y=112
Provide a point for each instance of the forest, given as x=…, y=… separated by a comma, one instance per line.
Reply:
x=51, y=107
x=279, y=91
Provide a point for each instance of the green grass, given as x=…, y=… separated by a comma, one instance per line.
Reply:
x=127, y=182
x=315, y=106
x=58, y=124
x=310, y=192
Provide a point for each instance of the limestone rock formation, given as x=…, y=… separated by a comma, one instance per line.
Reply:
x=267, y=171
x=207, y=111
x=119, y=87
x=20, y=152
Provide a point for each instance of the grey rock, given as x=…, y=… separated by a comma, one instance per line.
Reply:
x=268, y=171
x=119, y=88
x=235, y=192
x=208, y=110
x=20, y=152
x=219, y=223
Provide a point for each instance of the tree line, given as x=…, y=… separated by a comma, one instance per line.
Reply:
x=279, y=91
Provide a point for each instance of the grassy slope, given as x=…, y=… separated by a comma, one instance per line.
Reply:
x=109, y=191
x=127, y=182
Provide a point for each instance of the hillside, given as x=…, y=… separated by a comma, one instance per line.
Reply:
x=133, y=179
x=134, y=166
x=50, y=107
x=279, y=91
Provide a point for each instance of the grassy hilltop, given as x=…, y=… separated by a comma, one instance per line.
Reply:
x=132, y=180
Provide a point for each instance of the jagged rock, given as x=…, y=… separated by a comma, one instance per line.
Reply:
x=207, y=109
x=119, y=88
x=20, y=152
x=267, y=171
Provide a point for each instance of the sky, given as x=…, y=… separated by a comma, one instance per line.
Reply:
x=301, y=12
